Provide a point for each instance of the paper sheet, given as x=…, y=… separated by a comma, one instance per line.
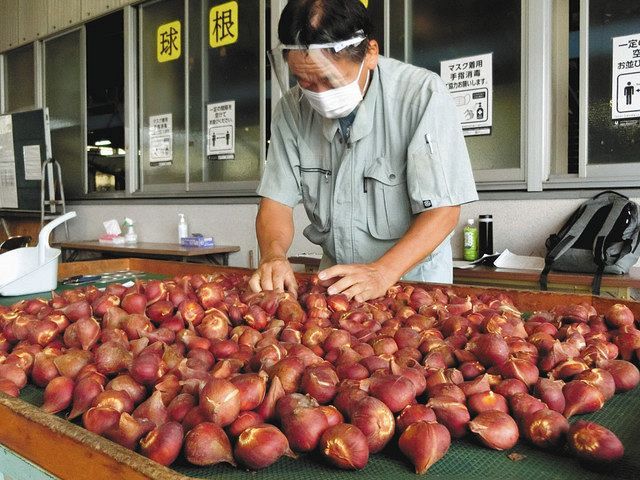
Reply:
x=466, y=264
x=519, y=262
x=8, y=184
x=32, y=162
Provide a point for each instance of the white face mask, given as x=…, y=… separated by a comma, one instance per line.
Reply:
x=337, y=102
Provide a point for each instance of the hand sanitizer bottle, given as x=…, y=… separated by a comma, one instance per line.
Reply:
x=131, y=236
x=183, y=230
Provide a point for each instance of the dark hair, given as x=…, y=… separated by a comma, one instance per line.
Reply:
x=304, y=22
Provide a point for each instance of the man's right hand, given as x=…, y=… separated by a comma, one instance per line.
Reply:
x=274, y=273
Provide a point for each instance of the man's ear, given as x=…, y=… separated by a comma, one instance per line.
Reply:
x=371, y=59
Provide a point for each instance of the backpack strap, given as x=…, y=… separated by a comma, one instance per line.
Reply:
x=597, y=280
x=599, y=245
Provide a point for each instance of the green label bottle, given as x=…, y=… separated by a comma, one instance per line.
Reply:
x=470, y=232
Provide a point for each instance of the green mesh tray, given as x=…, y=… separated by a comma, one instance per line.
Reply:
x=465, y=459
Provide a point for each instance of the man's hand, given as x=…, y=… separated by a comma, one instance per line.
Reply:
x=274, y=273
x=274, y=229
x=361, y=282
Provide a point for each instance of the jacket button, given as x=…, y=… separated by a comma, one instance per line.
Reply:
x=392, y=176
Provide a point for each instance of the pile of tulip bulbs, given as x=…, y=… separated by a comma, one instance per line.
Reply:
x=200, y=369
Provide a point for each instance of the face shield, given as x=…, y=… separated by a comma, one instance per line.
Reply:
x=325, y=73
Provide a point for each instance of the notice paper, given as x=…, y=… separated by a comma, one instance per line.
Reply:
x=161, y=139
x=8, y=184
x=32, y=162
x=518, y=262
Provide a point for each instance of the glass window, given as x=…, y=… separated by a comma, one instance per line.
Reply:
x=63, y=95
x=20, y=79
x=162, y=99
x=460, y=28
x=610, y=141
x=227, y=71
x=105, y=104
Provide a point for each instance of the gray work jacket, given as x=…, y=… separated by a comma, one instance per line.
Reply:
x=405, y=154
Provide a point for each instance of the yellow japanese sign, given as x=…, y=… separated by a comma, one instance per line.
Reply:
x=223, y=24
x=169, y=41
x=365, y=3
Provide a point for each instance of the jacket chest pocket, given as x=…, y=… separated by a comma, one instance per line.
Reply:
x=316, y=183
x=388, y=208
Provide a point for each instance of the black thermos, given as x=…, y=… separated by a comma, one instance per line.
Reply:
x=485, y=235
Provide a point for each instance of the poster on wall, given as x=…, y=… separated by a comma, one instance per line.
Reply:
x=221, y=130
x=625, y=78
x=160, y=139
x=32, y=162
x=8, y=184
x=470, y=82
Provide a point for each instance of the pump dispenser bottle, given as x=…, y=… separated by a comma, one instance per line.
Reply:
x=183, y=230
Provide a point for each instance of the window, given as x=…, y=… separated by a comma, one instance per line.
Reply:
x=612, y=141
x=20, y=79
x=105, y=104
x=440, y=31
x=593, y=145
x=64, y=95
x=220, y=74
x=198, y=61
x=163, y=159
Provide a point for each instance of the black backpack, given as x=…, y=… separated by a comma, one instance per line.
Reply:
x=601, y=236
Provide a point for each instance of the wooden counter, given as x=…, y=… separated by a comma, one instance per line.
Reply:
x=618, y=286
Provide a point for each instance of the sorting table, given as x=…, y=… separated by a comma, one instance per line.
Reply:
x=64, y=449
x=218, y=255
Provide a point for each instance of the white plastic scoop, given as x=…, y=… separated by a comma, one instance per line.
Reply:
x=32, y=269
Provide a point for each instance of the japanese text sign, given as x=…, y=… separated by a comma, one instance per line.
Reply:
x=169, y=41
x=625, y=78
x=221, y=126
x=470, y=82
x=223, y=24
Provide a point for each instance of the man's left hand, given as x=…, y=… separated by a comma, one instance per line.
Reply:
x=361, y=282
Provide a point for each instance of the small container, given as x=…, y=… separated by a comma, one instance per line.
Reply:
x=470, y=233
x=485, y=238
x=131, y=236
x=183, y=229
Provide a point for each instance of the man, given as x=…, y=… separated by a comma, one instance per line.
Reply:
x=374, y=150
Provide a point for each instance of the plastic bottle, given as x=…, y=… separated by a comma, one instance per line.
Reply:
x=131, y=236
x=485, y=243
x=183, y=230
x=470, y=232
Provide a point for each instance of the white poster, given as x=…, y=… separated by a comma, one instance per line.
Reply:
x=161, y=139
x=221, y=130
x=8, y=184
x=32, y=162
x=625, y=78
x=470, y=82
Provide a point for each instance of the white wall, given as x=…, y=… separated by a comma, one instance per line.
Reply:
x=522, y=226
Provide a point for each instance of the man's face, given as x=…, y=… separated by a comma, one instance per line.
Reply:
x=318, y=70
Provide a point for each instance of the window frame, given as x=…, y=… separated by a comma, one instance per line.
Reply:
x=37, y=82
